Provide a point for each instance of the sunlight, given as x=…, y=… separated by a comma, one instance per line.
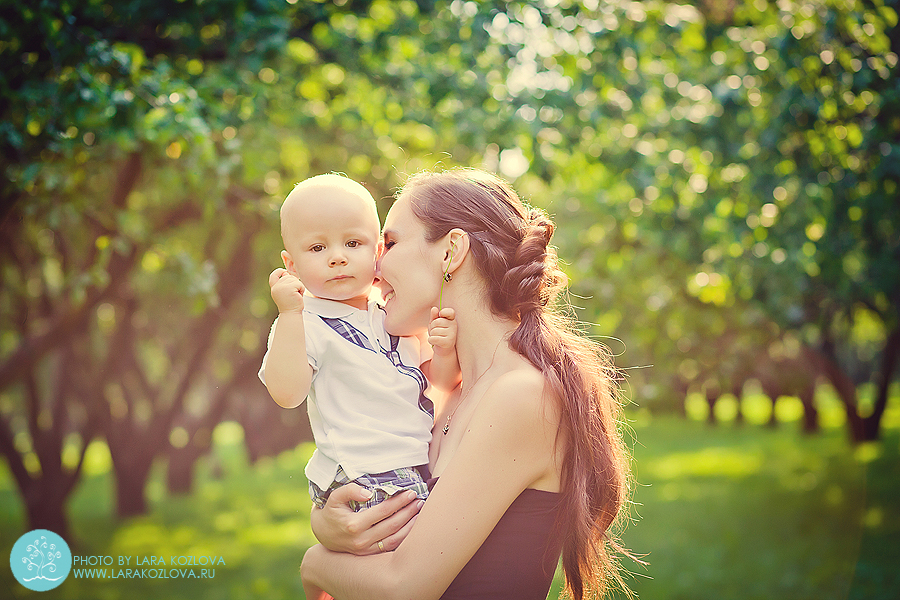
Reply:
x=709, y=462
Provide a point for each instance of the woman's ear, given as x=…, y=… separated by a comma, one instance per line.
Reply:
x=457, y=249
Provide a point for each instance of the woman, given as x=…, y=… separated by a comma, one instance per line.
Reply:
x=526, y=455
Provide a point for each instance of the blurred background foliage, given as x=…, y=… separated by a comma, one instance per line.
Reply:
x=724, y=175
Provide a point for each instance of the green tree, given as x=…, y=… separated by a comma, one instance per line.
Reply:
x=114, y=153
x=723, y=174
x=146, y=149
x=809, y=101
x=749, y=147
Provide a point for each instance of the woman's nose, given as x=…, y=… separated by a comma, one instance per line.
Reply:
x=377, y=279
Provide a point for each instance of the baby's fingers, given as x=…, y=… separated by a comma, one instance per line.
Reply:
x=275, y=275
x=437, y=332
x=441, y=339
x=445, y=313
x=438, y=327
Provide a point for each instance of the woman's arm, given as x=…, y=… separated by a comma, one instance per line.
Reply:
x=508, y=445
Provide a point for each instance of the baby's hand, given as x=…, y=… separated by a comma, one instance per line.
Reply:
x=287, y=291
x=442, y=329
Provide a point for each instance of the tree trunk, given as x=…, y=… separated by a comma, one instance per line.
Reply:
x=846, y=390
x=871, y=426
x=681, y=388
x=773, y=393
x=711, y=402
x=45, y=505
x=180, y=468
x=180, y=471
x=131, y=482
x=270, y=429
x=773, y=417
x=738, y=392
x=810, y=413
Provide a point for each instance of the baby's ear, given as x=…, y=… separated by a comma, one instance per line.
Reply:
x=288, y=263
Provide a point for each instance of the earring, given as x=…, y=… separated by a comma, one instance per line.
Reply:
x=448, y=277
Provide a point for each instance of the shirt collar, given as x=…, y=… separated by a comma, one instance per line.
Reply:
x=329, y=309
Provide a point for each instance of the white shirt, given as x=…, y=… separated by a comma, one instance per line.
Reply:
x=364, y=411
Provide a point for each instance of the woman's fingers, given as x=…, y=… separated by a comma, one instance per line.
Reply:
x=384, y=522
x=388, y=522
x=336, y=526
x=387, y=510
x=344, y=494
x=392, y=542
x=395, y=523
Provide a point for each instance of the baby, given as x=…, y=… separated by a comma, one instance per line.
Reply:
x=369, y=414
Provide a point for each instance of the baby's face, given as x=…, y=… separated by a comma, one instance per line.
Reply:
x=331, y=239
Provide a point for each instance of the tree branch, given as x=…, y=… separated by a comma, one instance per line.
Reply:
x=60, y=328
x=886, y=374
x=13, y=458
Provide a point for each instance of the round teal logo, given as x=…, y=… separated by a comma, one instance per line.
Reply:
x=40, y=560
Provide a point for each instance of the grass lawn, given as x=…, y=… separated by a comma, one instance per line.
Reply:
x=754, y=514
x=721, y=512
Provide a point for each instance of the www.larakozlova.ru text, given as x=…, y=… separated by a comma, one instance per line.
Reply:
x=155, y=567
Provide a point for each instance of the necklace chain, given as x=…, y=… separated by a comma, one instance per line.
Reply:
x=446, y=428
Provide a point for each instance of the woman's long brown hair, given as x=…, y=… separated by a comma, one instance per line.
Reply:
x=510, y=245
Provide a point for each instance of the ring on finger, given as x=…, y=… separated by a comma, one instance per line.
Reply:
x=381, y=545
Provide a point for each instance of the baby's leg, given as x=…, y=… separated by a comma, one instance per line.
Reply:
x=384, y=485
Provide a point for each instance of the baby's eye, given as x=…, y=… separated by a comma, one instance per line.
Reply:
x=352, y=244
x=317, y=248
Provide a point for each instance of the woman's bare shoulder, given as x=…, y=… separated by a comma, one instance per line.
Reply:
x=524, y=378
x=523, y=390
x=519, y=419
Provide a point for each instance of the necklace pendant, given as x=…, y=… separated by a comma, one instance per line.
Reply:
x=447, y=425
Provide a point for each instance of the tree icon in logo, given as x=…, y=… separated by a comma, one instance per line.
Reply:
x=40, y=560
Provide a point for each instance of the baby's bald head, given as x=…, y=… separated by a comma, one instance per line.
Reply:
x=311, y=198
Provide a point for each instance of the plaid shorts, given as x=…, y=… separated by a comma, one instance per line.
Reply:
x=383, y=485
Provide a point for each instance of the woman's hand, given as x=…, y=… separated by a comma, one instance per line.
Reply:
x=340, y=529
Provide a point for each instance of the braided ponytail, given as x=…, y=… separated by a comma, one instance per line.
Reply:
x=533, y=278
x=510, y=244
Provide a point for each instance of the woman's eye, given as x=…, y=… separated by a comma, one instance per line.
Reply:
x=389, y=244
